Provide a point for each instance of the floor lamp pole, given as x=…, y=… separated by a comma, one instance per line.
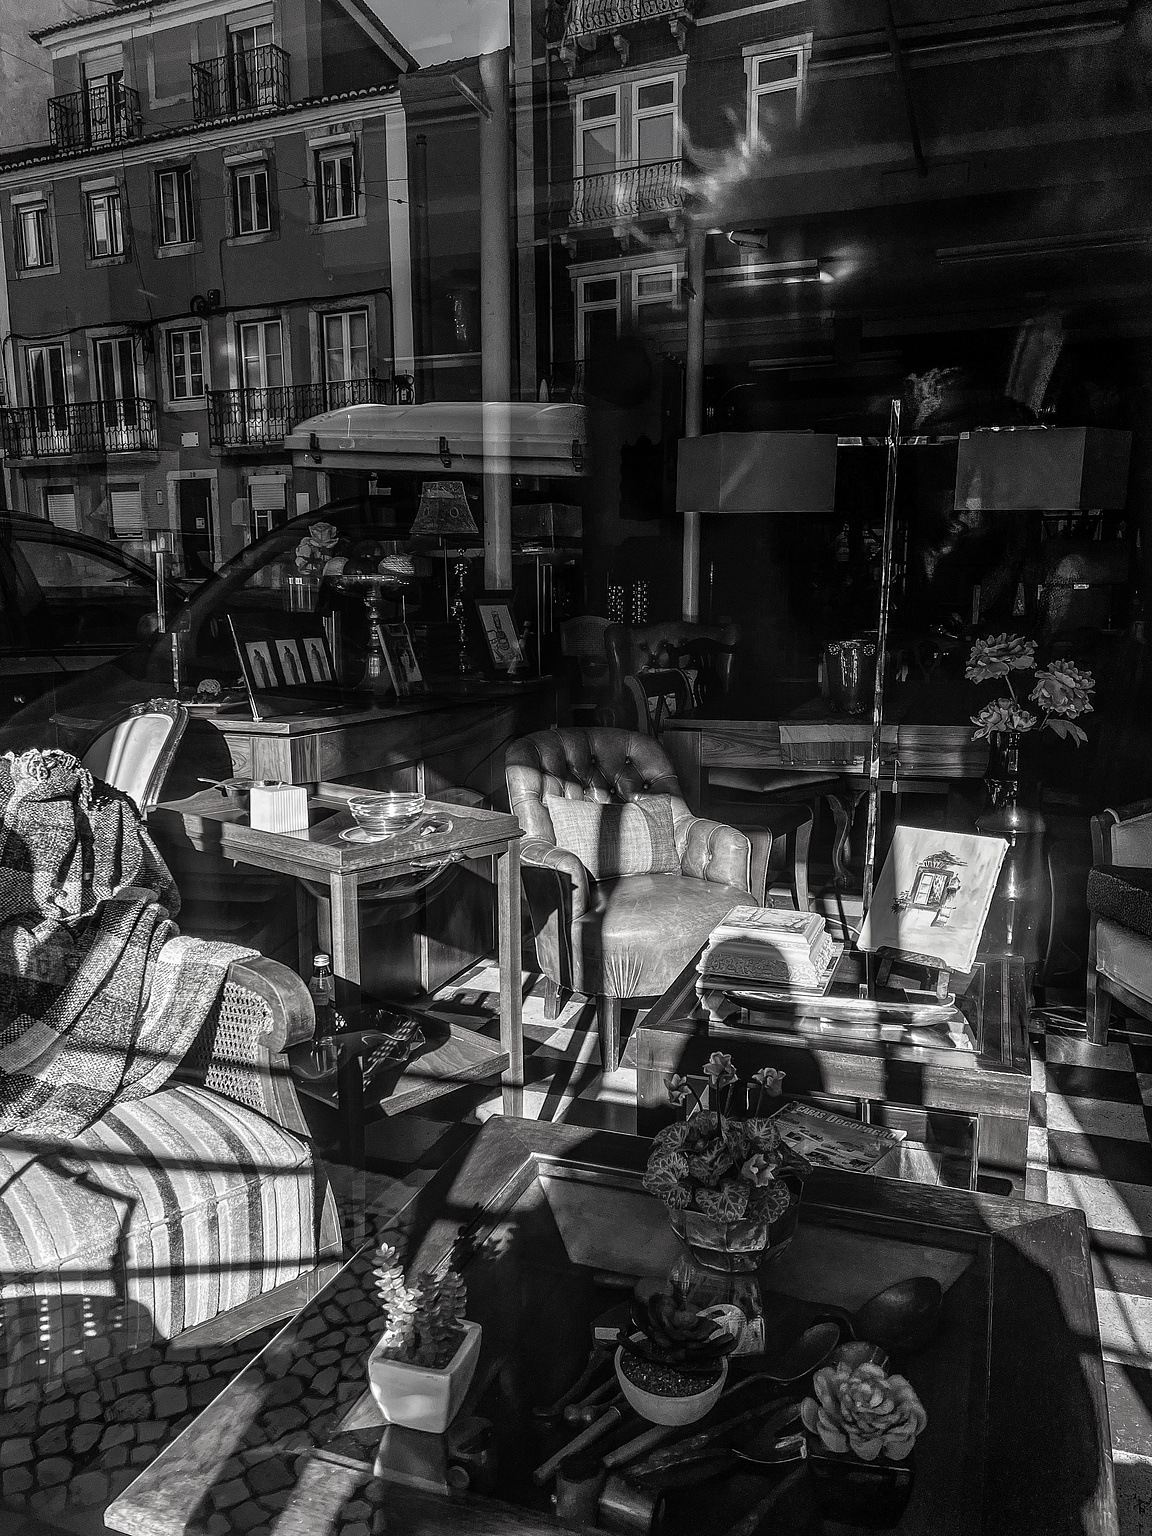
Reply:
x=881, y=649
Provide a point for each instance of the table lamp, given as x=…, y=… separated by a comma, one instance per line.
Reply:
x=444, y=513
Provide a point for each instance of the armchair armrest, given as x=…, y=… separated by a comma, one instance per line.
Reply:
x=538, y=854
x=264, y=1009
x=714, y=851
x=1123, y=836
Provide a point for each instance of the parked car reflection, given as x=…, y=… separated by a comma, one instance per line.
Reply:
x=68, y=604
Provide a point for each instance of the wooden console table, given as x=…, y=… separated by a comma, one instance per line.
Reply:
x=218, y=825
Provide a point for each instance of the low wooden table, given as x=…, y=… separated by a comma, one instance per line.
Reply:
x=551, y=1227
x=218, y=825
x=986, y=1073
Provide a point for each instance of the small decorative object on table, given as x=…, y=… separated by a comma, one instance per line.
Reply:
x=862, y=1425
x=673, y=1365
x=731, y=1186
x=423, y=1364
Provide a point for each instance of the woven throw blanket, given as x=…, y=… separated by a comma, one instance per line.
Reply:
x=99, y=996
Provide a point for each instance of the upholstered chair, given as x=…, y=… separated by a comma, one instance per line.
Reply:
x=630, y=650
x=1120, y=915
x=625, y=937
x=135, y=750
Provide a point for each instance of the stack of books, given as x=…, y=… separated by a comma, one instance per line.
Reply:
x=767, y=946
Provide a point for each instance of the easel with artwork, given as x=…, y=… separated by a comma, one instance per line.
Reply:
x=285, y=661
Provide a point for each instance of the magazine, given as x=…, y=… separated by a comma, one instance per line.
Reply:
x=829, y=1140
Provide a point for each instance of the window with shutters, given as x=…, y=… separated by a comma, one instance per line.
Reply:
x=60, y=507
x=127, y=508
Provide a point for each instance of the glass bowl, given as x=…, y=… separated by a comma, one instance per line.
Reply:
x=393, y=811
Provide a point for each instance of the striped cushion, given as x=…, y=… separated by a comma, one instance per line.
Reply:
x=613, y=839
x=183, y=1202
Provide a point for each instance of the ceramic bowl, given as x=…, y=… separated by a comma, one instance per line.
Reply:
x=658, y=1409
x=393, y=811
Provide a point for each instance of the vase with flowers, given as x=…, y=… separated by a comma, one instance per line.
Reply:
x=1060, y=693
x=731, y=1187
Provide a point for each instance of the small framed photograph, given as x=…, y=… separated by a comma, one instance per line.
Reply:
x=261, y=667
x=498, y=622
x=391, y=661
x=399, y=642
x=316, y=655
x=291, y=664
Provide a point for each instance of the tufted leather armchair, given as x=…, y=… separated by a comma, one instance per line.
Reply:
x=1120, y=916
x=628, y=937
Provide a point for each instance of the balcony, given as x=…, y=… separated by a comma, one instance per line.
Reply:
x=251, y=418
x=587, y=21
x=248, y=80
x=89, y=429
x=633, y=192
x=99, y=115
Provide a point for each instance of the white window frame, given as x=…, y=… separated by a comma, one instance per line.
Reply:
x=334, y=156
x=755, y=55
x=595, y=306
x=249, y=172
x=617, y=119
x=111, y=197
x=344, y=316
x=187, y=230
x=186, y=400
x=639, y=302
x=638, y=114
x=40, y=209
x=262, y=321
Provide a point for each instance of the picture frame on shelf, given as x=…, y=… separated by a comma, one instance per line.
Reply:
x=501, y=635
x=396, y=675
x=285, y=653
x=399, y=639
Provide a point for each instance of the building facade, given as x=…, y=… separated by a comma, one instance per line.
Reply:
x=213, y=247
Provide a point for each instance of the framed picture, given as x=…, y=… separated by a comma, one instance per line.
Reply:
x=400, y=643
x=498, y=622
x=285, y=654
x=391, y=661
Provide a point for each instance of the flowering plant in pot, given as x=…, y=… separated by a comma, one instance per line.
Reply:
x=673, y=1364
x=424, y=1361
x=731, y=1187
x=862, y=1425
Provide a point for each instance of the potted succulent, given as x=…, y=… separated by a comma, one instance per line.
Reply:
x=862, y=1425
x=673, y=1364
x=423, y=1363
x=731, y=1187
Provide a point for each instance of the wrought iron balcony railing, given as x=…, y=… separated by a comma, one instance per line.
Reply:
x=631, y=192
x=85, y=429
x=243, y=418
x=586, y=21
x=99, y=114
x=241, y=81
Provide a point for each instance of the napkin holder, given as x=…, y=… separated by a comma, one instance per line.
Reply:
x=278, y=808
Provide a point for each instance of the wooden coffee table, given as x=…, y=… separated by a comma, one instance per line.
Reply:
x=550, y=1225
x=320, y=855
x=982, y=1070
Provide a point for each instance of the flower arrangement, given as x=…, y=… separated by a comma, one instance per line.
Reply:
x=1061, y=691
x=859, y=1408
x=726, y=1167
x=318, y=546
x=425, y=1321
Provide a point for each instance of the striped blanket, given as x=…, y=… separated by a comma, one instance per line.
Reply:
x=99, y=997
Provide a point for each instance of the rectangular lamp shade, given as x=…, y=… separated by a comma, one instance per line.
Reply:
x=739, y=472
x=1042, y=469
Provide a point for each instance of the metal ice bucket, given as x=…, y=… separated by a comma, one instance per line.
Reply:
x=850, y=666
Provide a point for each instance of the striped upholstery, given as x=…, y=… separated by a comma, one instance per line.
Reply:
x=184, y=1203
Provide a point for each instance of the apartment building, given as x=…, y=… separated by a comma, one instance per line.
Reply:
x=213, y=247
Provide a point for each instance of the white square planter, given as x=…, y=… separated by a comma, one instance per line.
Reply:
x=420, y=1396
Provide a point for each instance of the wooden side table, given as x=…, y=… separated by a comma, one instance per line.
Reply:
x=319, y=855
